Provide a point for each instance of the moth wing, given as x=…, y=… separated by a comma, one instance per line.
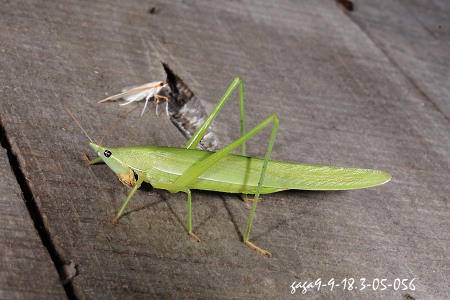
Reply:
x=135, y=93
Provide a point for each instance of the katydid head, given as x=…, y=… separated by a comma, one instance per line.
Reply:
x=115, y=163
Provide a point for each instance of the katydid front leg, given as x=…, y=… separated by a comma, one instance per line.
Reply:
x=97, y=160
x=195, y=171
x=138, y=183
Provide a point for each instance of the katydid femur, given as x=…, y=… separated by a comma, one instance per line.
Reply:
x=186, y=169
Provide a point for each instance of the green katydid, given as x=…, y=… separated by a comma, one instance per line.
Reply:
x=186, y=169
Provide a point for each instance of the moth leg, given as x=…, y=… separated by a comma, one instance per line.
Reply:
x=157, y=100
x=161, y=98
x=189, y=215
x=196, y=170
x=201, y=131
x=125, y=202
x=145, y=105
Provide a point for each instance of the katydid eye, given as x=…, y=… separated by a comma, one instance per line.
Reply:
x=107, y=153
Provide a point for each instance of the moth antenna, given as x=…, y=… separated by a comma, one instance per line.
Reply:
x=79, y=124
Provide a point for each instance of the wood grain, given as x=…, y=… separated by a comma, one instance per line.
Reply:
x=342, y=99
x=23, y=258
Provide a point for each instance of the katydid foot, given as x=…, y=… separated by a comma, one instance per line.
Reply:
x=115, y=220
x=248, y=201
x=258, y=249
x=194, y=237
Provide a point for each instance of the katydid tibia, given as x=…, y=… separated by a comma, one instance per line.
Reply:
x=186, y=169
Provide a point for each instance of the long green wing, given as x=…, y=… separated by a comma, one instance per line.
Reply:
x=317, y=177
x=239, y=170
x=236, y=174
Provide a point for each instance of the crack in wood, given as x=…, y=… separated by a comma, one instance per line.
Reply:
x=35, y=215
x=186, y=112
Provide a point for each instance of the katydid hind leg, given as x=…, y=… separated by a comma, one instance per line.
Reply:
x=127, y=200
x=256, y=199
x=199, y=168
x=201, y=131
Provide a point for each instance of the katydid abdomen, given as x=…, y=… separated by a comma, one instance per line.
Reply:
x=240, y=174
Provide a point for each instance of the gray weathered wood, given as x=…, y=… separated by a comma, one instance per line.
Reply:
x=26, y=270
x=341, y=100
x=416, y=38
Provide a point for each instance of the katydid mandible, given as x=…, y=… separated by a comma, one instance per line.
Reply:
x=186, y=169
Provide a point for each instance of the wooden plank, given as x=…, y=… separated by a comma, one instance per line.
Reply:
x=340, y=99
x=23, y=258
x=415, y=37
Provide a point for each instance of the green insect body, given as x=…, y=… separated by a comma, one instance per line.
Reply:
x=237, y=173
x=186, y=169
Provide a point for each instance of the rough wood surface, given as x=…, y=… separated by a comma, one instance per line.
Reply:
x=415, y=36
x=26, y=270
x=347, y=89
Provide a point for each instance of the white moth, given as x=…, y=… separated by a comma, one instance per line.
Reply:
x=146, y=91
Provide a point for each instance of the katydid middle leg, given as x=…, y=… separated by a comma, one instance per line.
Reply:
x=192, y=173
x=189, y=216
